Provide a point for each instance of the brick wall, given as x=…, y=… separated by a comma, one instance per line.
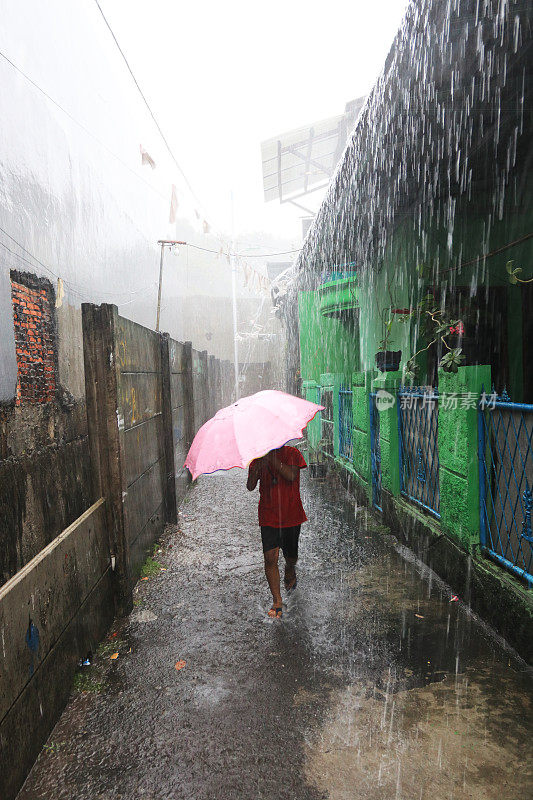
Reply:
x=35, y=338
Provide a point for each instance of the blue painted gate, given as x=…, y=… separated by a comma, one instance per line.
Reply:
x=326, y=420
x=419, y=450
x=505, y=449
x=345, y=423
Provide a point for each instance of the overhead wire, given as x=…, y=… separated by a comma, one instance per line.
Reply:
x=96, y=138
x=242, y=255
x=492, y=253
x=268, y=255
x=120, y=160
x=75, y=287
x=146, y=103
x=160, y=131
x=83, y=291
x=81, y=125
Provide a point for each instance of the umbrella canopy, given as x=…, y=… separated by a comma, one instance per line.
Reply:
x=248, y=429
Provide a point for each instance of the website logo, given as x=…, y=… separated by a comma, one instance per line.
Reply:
x=384, y=400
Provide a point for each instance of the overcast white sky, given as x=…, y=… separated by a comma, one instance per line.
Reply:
x=223, y=76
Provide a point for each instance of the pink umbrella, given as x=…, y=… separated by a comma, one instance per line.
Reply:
x=248, y=429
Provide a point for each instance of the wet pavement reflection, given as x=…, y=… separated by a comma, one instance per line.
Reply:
x=375, y=685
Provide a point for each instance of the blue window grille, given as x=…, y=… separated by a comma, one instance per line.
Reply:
x=326, y=417
x=419, y=450
x=345, y=423
x=505, y=439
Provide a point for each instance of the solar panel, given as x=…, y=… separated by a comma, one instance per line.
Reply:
x=303, y=160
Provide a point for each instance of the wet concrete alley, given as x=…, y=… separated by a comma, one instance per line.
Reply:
x=375, y=685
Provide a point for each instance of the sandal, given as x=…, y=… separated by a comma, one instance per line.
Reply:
x=275, y=613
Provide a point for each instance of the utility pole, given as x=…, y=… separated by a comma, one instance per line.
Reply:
x=164, y=243
x=234, y=302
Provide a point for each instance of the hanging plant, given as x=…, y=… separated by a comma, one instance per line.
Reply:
x=439, y=327
x=452, y=360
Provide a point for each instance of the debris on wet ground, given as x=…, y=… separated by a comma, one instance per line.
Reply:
x=349, y=698
x=180, y=664
x=145, y=615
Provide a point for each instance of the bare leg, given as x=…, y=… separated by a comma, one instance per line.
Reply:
x=272, y=575
x=290, y=572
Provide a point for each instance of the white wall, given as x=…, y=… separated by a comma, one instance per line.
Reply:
x=73, y=192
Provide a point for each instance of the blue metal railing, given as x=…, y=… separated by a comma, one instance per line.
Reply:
x=419, y=450
x=345, y=423
x=505, y=450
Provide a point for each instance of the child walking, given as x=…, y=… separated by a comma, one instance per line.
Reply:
x=280, y=515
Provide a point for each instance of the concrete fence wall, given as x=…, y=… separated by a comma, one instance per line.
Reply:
x=45, y=482
x=181, y=401
x=52, y=611
x=146, y=396
x=200, y=387
x=141, y=436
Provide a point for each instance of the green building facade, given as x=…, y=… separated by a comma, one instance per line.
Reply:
x=415, y=249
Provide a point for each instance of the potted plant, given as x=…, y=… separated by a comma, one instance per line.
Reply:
x=387, y=360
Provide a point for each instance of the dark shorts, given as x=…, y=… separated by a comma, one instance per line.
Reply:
x=286, y=538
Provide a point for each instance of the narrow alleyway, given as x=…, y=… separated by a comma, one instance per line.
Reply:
x=373, y=686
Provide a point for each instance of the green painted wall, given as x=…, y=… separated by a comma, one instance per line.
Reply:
x=458, y=454
x=311, y=391
x=388, y=431
x=326, y=344
x=444, y=251
x=397, y=280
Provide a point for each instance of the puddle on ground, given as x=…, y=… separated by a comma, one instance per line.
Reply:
x=440, y=741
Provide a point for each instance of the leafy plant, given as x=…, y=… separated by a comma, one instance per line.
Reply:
x=53, y=747
x=387, y=338
x=85, y=682
x=452, y=360
x=513, y=273
x=107, y=647
x=386, y=316
x=150, y=568
x=437, y=326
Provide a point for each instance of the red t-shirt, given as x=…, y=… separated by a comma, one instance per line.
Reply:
x=280, y=505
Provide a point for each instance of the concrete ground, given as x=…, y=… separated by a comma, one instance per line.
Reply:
x=375, y=685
